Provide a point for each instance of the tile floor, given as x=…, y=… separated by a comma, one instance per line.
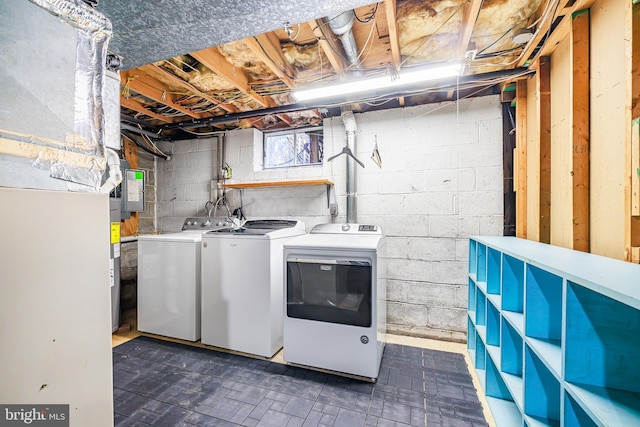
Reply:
x=162, y=383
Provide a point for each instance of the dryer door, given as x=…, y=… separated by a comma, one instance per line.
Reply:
x=334, y=291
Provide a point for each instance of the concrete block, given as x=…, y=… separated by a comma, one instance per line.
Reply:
x=450, y=272
x=171, y=193
x=467, y=179
x=406, y=225
x=176, y=162
x=443, y=225
x=409, y=269
x=397, y=247
x=198, y=159
x=407, y=314
x=462, y=250
x=185, y=176
x=468, y=225
x=232, y=155
x=480, y=108
x=185, y=209
x=434, y=180
x=491, y=225
x=185, y=146
x=490, y=178
x=481, y=203
x=171, y=224
x=430, y=294
x=378, y=204
x=462, y=296
x=165, y=146
x=448, y=318
x=428, y=203
x=397, y=290
x=476, y=155
x=164, y=209
x=197, y=192
x=207, y=144
x=431, y=249
x=490, y=131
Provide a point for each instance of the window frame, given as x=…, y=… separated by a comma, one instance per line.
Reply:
x=293, y=132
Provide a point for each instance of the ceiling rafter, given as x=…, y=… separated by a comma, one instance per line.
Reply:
x=562, y=29
x=469, y=17
x=329, y=50
x=267, y=48
x=390, y=9
x=541, y=33
x=217, y=63
x=153, y=89
x=136, y=106
x=153, y=69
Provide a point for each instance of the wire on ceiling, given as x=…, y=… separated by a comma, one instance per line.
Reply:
x=369, y=18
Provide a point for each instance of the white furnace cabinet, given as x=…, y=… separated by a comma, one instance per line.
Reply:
x=55, y=320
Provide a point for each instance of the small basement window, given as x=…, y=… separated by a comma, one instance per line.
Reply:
x=300, y=147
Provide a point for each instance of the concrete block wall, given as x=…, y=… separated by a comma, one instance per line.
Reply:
x=184, y=181
x=440, y=182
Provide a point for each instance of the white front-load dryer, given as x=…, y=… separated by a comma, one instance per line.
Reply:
x=335, y=301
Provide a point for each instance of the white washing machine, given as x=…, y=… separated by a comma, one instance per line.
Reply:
x=242, y=286
x=169, y=279
x=336, y=299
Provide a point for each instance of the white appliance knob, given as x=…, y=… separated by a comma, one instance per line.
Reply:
x=345, y=227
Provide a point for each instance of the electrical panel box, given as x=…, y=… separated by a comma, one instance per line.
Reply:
x=132, y=192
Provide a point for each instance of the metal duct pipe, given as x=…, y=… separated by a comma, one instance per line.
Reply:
x=352, y=206
x=341, y=25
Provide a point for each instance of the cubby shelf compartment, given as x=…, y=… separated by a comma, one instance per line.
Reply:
x=494, y=267
x=512, y=284
x=574, y=415
x=541, y=390
x=559, y=342
x=493, y=325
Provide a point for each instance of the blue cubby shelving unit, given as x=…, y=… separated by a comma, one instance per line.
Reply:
x=554, y=334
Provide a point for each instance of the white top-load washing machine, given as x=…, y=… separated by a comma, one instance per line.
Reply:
x=169, y=279
x=242, y=286
x=336, y=299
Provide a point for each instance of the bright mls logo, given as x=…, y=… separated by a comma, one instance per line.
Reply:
x=34, y=415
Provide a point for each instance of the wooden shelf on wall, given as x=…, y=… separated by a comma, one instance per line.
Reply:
x=258, y=184
x=305, y=182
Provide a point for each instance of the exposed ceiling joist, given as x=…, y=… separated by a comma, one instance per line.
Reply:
x=154, y=69
x=267, y=48
x=153, y=89
x=390, y=9
x=137, y=107
x=469, y=17
x=217, y=63
x=328, y=47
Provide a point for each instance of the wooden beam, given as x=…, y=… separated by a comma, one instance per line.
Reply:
x=560, y=32
x=521, y=162
x=266, y=46
x=336, y=61
x=136, y=106
x=153, y=69
x=214, y=60
x=390, y=9
x=541, y=32
x=580, y=129
x=469, y=17
x=635, y=167
x=152, y=88
x=543, y=81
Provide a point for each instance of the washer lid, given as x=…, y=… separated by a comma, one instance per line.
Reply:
x=184, y=236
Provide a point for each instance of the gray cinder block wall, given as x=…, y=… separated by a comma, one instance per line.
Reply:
x=440, y=182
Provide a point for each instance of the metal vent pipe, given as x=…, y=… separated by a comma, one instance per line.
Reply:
x=341, y=25
x=350, y=126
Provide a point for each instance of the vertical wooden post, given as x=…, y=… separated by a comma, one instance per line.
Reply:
x=543, y=80
x=521, y=159
x=129, y=226
x=580, y=128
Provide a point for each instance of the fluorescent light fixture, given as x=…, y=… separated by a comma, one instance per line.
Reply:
x=381, y=82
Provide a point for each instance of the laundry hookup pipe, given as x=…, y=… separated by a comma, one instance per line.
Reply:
x=350, y=127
